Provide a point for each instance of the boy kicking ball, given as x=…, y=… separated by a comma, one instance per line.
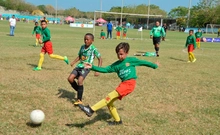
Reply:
x=125, y=68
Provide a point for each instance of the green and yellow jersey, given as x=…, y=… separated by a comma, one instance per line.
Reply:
x=87, y=55
x=198, y=34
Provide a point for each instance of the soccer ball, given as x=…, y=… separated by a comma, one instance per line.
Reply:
x=37, y=116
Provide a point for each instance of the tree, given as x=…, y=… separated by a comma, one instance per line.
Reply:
x=42, y=8
x=50, y=10
x=178, y=12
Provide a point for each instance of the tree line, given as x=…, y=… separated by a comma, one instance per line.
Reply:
x=205, y=12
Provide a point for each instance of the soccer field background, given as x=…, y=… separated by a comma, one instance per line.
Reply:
x=176, y=98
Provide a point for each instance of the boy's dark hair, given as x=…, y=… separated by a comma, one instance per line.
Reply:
x=102, y=30
x=36, y=23
x=191, y=31
x=123, y=45
x=43, y=21
x=199, y=29
x=91, y=35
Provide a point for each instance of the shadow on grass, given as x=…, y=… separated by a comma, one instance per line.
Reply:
x=177, y=59
x=33, y=125
x=101, y=115
x=69, y=96
x=34, y=65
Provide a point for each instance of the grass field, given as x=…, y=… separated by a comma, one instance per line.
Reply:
x=177, y=98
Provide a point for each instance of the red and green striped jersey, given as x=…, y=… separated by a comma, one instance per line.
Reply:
x=87, y=55
x=125, y=69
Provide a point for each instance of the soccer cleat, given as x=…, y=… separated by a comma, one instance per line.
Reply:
x=188, y=61
x=78, y=102
x=66, y=60
x=36, y=69
x=194, y=60
x=112, y=123
x=87, y=110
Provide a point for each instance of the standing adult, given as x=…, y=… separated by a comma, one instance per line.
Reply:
x=165, y=29
x=156, y=33
x=12, y=24
x=109, y=29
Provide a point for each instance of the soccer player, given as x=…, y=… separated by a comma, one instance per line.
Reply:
x=156, y=33
x=86, y=53
x=37, y=30
x=198, y=36
x=109, y=30
x=125, y=69
x=124, y=32
x=102, y=34
x=118, y=32
x=47, y=47
x=12, y=24
x=191, y=44
x=165, y=30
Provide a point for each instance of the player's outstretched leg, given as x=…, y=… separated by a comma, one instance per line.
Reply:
x=54, y=56
x=86, y=109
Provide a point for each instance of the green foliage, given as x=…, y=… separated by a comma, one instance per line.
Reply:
x=42, y=8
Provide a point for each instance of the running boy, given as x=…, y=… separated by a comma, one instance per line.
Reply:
x=124, y=32
x=47, y=47
x=125, y=68
x=118, y=32
x=102, y=34
x=198, y=36
x=37, y=30
x=156, y=33
x=86, y=53
x=191, y=44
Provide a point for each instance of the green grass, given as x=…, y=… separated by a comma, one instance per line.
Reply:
x=176, y=98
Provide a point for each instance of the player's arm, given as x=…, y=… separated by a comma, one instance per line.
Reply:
x=186, y=44
x=108, y=69
x=98, y=55
x=194, y=42
x=74, y=62
x=151, y=33
x=137, y=62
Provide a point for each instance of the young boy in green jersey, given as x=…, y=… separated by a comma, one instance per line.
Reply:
x=37, y=30
x=118, y=32
x=86, y=53
x=47, y=47
x=125, y=69
x=191, y=44
x=156, y=33
x=102, y=34
x=198, y=36
x=124, y=32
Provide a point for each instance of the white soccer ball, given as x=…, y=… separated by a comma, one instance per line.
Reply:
x=37, y=116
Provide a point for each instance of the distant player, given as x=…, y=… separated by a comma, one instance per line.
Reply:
x=37, y=30
x=102, y=34
x=165, y=30
x=156, y=33
x=118, y=32
x=47, y=47
x=86, y=53
x=198, y=36
x=191, y=44
x=124, y=32
x=125, y=69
